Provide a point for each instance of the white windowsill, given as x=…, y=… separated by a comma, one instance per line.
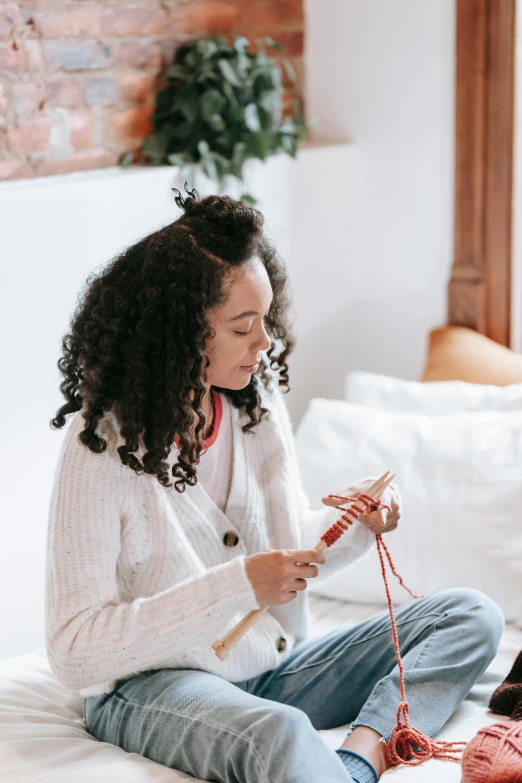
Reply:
x=310, y=145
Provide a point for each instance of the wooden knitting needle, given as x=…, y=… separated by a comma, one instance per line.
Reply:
x=375, y=491
x=223, y=646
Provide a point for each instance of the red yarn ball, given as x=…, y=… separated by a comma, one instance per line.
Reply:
x=494, y=755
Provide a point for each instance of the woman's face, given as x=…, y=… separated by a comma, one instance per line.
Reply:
x=248, y=303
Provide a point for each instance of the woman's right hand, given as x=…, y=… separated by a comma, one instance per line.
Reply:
x=277, y=574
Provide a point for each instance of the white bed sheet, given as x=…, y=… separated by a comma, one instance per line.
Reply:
x=43, y=737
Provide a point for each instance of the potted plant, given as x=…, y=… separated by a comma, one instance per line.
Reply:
x=222, y=105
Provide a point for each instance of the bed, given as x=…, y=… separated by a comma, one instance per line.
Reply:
x=43, y=736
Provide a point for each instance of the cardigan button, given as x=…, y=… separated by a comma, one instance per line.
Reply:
x=281, y=644
x=230, y=539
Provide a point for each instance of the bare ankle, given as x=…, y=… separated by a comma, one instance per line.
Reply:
x=367, y=742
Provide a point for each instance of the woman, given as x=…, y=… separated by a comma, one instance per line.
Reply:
x=171, y=369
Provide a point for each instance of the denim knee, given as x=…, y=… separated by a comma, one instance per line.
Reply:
x=483, y=617
x=283, y=736
x=279, y=722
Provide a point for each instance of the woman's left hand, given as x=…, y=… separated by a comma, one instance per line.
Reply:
x=380, y=521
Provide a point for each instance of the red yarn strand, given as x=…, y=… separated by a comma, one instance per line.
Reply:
x=407, y=745
x=400, y=747
x=394, y=572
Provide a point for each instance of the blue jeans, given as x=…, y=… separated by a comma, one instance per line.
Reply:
x=263, y=730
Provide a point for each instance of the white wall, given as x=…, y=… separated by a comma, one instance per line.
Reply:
x=54, y=231
x=381, y=73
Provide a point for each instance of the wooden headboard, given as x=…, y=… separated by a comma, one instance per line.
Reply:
x=480, y=287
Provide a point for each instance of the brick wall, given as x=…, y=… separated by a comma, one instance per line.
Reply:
x=78, y=79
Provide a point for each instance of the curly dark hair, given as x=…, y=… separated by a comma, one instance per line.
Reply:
x=137, y=336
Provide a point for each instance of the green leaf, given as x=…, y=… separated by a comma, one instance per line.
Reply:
x=164, y=103
x=209, y=167
x=211, y=102
x=288, y=144
x=266, y=98
x=275, y=75
x=252, y=117
x=273, y=44
x=223, y=142
x=207, y=47
x=265, y=117
x=248, y=197
x=241, y=43
x=288, y=126
x=238, y=158
x=217, y=122
x=176, y=159
x=243, y=65
x=221, y=165
x=222, y=43
x=239, y=152
x=232, y=99
x=289, y=68
x=261, y=57
x=236, y=171
x=203, y=148
x=228, y=72
x=186, y=100
x=177, y=72
x=191, y=58
x=266, y=80
x=271, y=103
x=154, y=148
x=257, y=145
x=206, y=75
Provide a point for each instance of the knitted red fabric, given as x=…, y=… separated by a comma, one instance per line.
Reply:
x=406, y=745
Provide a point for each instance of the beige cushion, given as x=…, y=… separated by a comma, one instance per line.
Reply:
x=457, y=353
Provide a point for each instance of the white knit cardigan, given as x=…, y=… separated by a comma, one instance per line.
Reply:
x=138, y=576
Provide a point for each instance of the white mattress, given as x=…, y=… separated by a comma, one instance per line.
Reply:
x=43, y=738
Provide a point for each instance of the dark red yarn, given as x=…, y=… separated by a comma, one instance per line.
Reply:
x=407, y=745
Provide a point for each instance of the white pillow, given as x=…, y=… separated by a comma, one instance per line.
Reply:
x=460, y=478
x=434, y=398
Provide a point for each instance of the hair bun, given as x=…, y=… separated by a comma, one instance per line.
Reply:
x=186, y=204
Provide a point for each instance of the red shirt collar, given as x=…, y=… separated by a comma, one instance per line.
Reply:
x=218, y=405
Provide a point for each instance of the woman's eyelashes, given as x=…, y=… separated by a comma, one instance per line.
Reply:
x=249, y=331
